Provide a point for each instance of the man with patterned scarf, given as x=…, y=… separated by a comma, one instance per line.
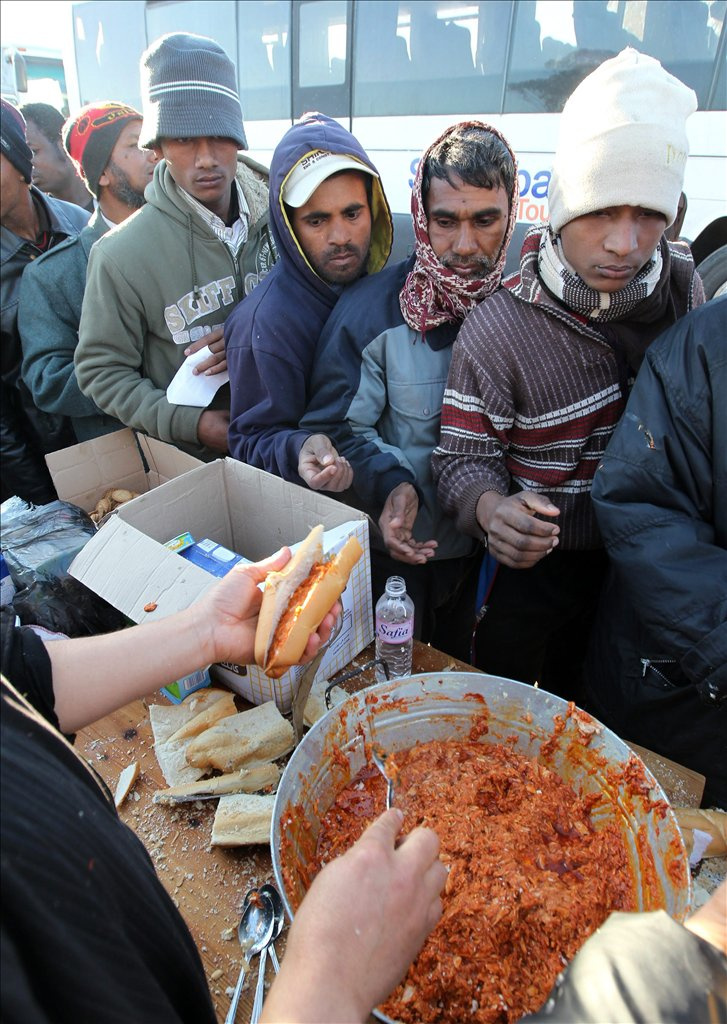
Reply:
x=381, y=367
x=541, y=372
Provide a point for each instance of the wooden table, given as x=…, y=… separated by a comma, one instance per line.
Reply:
x=207, y=883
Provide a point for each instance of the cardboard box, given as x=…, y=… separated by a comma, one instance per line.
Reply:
x=82, y=474
x=251, y=513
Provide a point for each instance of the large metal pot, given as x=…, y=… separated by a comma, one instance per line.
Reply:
x=445, y=706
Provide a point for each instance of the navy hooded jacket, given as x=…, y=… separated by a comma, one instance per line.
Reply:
x=271, y=336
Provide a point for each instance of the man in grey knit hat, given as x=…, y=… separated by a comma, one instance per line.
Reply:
x=178, y=267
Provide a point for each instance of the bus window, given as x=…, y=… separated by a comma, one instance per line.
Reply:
x=556, y=44
x=321, y=68
x=429, y=58
x=264, y=60
x=216, y=21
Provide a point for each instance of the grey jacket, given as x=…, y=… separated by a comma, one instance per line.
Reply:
x=51, y=294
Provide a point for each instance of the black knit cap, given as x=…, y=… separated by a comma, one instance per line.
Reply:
x=189, y=90
x=12, y=141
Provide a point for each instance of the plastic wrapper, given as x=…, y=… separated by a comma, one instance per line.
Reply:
x=39, y=543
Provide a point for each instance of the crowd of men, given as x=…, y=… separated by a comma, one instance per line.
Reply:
x=227, y=310
x=156, y=277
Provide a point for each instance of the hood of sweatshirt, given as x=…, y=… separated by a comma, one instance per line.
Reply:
x=317, y=131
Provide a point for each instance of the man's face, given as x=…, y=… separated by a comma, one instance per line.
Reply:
x=334, y=228
x=13, y=189
x=51, y=166
x=129, y=169
x=466, y=225
x=608, y=248
x=204, y=167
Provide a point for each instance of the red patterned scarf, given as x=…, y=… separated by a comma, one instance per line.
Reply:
x=433, y=294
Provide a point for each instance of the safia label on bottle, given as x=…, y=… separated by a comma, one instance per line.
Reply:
x=395, y=632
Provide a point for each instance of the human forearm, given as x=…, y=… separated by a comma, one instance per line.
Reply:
x=219, y=627
x=92, y=676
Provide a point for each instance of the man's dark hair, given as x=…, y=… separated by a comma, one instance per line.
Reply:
x=47, y=119
x=473, y=154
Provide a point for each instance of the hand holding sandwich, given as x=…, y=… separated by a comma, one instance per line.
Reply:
x=227, y=616
x=134, y=662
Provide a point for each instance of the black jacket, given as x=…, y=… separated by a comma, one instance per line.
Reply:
x=658, y=667
x=26, y=433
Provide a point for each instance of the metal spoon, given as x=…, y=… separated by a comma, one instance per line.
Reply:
x=274, y=896
x=380, y=762
x=277, y=902
x=254, y=931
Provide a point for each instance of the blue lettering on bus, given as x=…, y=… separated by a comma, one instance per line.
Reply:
x=540, y=185
x=413, y=170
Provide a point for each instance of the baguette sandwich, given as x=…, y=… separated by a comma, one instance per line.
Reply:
x=297, y=599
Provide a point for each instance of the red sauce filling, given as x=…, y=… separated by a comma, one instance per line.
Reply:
x=527, y=881
x=297, y=602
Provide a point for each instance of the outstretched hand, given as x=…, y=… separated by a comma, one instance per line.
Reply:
x=515, y=536
x=321, y=467
x=344, y=955
x=396, y=523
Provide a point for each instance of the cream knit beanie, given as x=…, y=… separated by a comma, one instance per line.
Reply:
x=622, y=142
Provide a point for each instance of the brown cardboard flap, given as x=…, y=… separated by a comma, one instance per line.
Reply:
x=683, y=786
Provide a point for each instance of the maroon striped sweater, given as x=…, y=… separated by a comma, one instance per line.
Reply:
x=532, y=399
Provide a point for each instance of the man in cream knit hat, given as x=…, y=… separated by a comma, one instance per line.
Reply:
x=541, y=372
x=170, y=276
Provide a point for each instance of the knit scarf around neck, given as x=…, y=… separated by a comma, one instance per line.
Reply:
x=433, y=294
x=564, y=284
x=629, y=319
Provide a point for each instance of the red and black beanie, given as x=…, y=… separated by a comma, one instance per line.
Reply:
x=91, y=135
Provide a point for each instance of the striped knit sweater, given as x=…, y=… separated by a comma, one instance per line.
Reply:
x=532, y=399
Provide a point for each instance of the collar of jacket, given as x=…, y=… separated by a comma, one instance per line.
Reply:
x=162, y=193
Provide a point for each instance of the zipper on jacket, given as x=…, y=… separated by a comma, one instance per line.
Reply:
x=649, y=663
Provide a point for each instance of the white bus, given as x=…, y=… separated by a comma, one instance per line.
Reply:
x=397, y=72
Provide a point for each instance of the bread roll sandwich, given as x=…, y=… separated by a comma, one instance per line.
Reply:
x=297, y=599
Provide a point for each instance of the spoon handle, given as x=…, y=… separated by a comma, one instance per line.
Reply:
x=274, y=958
x=232, y=1012
x=257, y=1006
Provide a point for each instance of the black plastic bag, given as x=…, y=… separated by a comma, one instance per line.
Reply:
x=40, y=542
x=66, y=606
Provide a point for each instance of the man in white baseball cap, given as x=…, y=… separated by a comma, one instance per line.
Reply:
x=332, y=225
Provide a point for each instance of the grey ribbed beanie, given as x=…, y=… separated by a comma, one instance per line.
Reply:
x=189, y=90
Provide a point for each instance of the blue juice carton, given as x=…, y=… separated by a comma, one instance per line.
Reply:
x=217, y=560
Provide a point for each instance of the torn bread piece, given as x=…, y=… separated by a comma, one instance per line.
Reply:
x=126, y=780
x=222, y=708
x=242, y=820
x=168, y=719
x=246, y=780
x=315, y=706
x=261, y=734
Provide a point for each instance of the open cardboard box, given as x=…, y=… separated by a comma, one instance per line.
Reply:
x=82, y=474
x=251, y=513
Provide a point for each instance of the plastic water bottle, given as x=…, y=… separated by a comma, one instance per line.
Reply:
x=394, y=629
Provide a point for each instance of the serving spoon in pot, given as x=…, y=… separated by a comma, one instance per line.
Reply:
x=254, y=931
x=379, y=760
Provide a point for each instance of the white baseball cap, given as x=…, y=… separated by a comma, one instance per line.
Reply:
x=313, y=169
